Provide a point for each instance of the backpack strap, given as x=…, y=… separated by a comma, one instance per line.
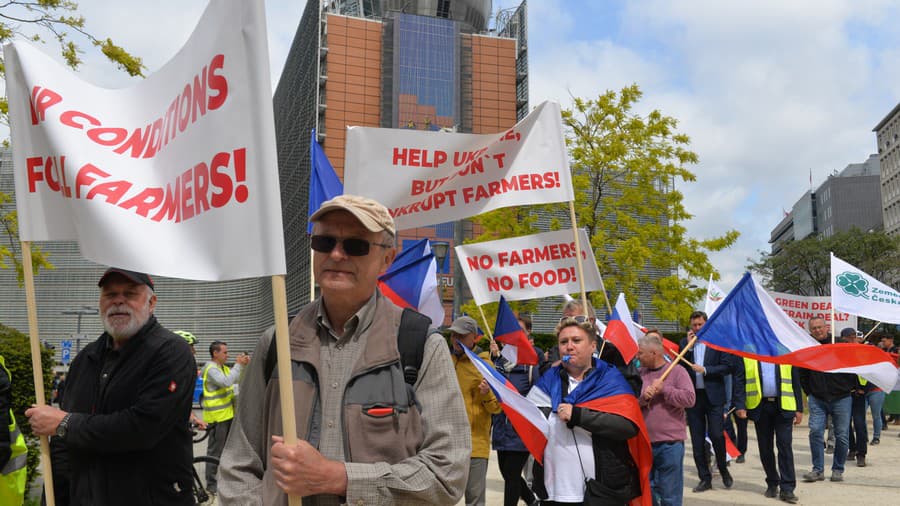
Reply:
x=414, y=330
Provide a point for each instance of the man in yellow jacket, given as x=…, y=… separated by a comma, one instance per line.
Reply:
x=13, y=451
x=480, y=405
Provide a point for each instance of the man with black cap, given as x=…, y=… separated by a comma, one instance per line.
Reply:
x=369, y=433
x=128, y=396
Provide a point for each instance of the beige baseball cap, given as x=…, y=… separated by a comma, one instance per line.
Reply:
x=374, y=216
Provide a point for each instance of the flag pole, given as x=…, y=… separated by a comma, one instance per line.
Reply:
x=285, y=376
x=37, y=370
x=578, y=259
x=877, y=324
x=487, y=328
x=678, y=357
x=832, y=321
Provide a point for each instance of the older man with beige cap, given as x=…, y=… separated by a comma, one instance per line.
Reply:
x=374, y=428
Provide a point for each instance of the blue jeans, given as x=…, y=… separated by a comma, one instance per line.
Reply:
x=667, y=474
x=839, y=410
x=875, y=399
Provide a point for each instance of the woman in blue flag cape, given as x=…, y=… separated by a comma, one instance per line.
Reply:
x=598, y=451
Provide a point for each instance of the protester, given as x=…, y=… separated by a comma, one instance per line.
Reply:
x=128, y=397
x=480, y=404
x=218, y=402
x=13, y=452
x=590, y=404
x=663, y=404
x=706, y=417
x=775, y=404
x=818, y=329
x=369, y=434
x=512, y=455
x=857, y=434
x=827, y=394
x=191, y=339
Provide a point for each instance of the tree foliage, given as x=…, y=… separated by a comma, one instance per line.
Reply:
x=16, y=351
x=625, y=172
x=804, y=267
x=40, y=21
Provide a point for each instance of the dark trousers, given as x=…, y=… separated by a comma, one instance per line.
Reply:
x=218, y=433
x=773, y=426
x=859, y=434
x=703, y=419
x=514, y=486
x=740, y=439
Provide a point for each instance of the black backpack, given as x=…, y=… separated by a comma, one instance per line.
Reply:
x=411, y=336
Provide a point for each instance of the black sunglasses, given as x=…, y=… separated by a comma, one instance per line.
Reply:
x=352, y=246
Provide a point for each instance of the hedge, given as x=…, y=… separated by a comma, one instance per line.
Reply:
x=16, y=351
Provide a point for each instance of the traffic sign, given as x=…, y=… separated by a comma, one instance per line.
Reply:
x=66, y=346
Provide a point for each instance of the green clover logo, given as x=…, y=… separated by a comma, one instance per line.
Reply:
x=853, y=284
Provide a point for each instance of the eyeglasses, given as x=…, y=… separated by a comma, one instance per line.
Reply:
x=577, y=318
x=352, y=246
x=582, y=321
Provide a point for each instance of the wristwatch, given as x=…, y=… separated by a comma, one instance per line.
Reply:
x=63, y=426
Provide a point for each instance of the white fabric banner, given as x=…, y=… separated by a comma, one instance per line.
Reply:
x=801, y=308
x=426, y=178
x=528, y=267
x=175, y=175
x=856, y=292
x=714, y=297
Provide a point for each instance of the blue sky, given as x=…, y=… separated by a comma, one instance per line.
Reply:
x=767, y=90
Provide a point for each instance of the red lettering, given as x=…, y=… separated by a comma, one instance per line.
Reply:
x=220, y=180
x=68, y=118
x=41, y=100
x=144, y=202
x=217, y=83
x=201, y=188
x=85, y=177
x=187, y=206
x=34, y=176
x=114, y=191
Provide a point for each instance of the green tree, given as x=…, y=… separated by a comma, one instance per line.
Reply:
x=804, y=267
x=625, y=171
x=39, y=21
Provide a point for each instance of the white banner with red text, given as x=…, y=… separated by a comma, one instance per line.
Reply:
x=528, y=267
x=426, y=178
x=801, y=308
x=175, y=175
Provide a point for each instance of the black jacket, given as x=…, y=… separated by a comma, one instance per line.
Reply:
x=128, y=441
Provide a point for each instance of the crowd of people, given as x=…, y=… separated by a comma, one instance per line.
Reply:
x=387, y=412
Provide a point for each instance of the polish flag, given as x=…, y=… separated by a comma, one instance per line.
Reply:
x=620, y=330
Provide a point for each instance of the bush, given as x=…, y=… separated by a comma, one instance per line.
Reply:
x=16, y=351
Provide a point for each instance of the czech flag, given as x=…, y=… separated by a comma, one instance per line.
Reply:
x=323, y=181
x=748, y=323
x=731, y=451
x=526, y=418
x=412, y=283
x=509, y=332
x=620, y=330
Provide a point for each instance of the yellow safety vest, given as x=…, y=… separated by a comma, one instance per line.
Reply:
x=12, y=476
x=754, y=386
x=218, y=405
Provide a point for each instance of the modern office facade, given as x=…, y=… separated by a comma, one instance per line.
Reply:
x=426, y=65
x=887, y=135
x=846, y=199
x=66, y=298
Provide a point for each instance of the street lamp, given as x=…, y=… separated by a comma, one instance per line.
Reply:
x=83, y=310
x=440, y=248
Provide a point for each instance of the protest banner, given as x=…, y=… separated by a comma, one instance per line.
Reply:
x=528, y=267
x=801, y=308
x=425, y=178
x=174, y=176
x=856, y=292
x=178, y=159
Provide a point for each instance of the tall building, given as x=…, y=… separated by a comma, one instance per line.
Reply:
x=887, y=134
x=66, y=297
x=419, y=64
x=846, y=199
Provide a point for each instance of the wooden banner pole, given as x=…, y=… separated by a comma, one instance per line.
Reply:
x=285, y=376
x=877, y=324
x=579, y=263
x=487, y=328
x=38, y=372
x=678, y=357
